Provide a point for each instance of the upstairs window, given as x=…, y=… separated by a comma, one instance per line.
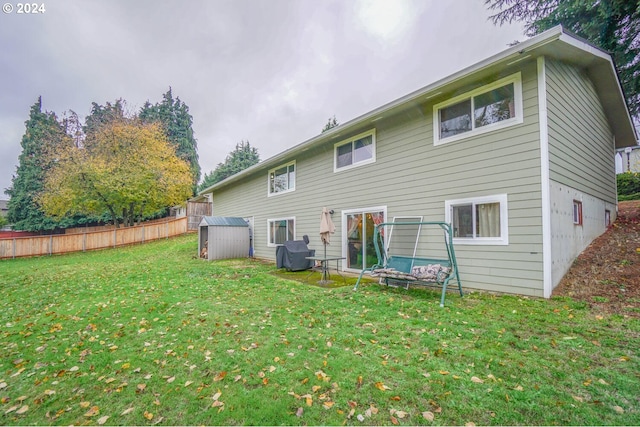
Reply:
x=484, y=109
x=357, y=151
x=282, y=179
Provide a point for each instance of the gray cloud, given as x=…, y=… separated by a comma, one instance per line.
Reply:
x=271, y=72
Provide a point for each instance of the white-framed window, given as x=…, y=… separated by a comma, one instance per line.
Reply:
x=487, y=108
x=279, y=230
x=356, y=151
x=282, y=179
x=577, y=212
x=479, y=220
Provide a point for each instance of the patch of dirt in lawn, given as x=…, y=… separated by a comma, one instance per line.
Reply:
x=607, y=274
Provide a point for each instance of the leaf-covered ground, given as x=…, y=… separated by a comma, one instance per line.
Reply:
x=607, y=274
x=152, y=335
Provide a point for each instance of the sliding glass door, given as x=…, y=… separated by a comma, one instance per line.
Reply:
x=360, y=252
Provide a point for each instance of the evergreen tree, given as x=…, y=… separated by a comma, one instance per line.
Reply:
x=43, y=132
x=102, y=115
x=331, y=123
x=173, y=114
x=613, y=25
x=238, y=160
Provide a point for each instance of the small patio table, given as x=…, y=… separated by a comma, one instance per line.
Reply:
x=324, y=267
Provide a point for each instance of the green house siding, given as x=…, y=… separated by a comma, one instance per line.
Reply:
x=412, y=177
x=581, y=164
x=581, y=151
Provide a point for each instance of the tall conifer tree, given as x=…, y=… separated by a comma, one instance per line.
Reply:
x=174, y=116
x=43, y=132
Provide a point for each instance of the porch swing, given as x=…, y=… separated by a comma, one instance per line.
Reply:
x=397, y=260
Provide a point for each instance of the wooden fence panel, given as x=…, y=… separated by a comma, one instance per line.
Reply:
x=64, y=243
x=6, y=248
x=32, y=246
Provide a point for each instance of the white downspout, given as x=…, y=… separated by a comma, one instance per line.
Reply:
x=545, y=179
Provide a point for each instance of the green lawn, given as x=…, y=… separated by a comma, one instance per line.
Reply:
x=151, y=335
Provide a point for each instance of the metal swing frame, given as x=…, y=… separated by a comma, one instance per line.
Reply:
x=403, y=266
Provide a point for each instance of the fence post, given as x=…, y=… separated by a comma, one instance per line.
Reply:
x=84, y=241
x=50, y=245
x=115, y=237
x=166, y=229
x=14, y=248
x=142, y=233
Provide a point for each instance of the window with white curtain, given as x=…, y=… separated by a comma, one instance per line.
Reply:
x=479, y=220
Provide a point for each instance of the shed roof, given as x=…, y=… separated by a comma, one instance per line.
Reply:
x=223, y=221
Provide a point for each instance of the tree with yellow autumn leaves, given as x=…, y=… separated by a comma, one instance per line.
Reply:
x=124, y=167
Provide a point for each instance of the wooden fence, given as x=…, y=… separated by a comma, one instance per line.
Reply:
x=63, y=243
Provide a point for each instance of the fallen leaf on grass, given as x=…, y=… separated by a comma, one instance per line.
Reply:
x=148, y=415
x=85, y=404
x=13, y=408
x=18, y=372
x=92, y=412
x=188, y=383
x=394, y=420
x=103, y=420
x=127, y=411
x=380, y=386
x=220, y=376
x=299, y=412
x=476, y=380
x=428, y=415
x=171, y=379
x=328, y=404
x=3, y=385
x=618, y=409
x=22, y=410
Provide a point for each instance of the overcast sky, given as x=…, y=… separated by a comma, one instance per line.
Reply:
x=268, y=71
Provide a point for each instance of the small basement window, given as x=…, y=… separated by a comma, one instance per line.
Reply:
x=577, y=212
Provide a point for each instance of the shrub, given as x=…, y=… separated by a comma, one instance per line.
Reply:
x=628, y=186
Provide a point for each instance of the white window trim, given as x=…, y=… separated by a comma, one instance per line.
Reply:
x=345, y=231
x=289, y=190
x=516, y=79
x=504, y=219
x=371, y=132
x=577, y=213
x=270, y=220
